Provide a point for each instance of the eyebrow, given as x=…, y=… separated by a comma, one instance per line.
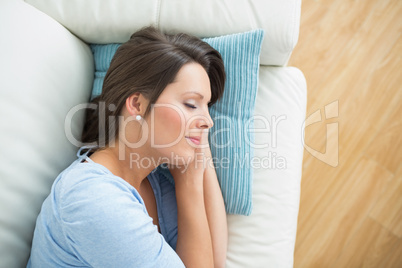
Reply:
x=194, y=92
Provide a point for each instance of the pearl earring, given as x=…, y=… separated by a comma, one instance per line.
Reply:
x=138, y=117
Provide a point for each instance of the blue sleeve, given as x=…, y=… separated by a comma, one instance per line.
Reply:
x=107, y=226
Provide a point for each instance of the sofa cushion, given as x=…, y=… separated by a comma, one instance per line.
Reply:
x=230, y=139
x=45, y=72
x=113, y=21
x=267, y=237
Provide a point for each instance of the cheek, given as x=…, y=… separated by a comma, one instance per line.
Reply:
x=168, y=125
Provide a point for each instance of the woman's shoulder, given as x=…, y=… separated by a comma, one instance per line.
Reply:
x=81, y=173
x=91, y=182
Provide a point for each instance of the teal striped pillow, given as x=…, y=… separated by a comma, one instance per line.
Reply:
x=230, y=139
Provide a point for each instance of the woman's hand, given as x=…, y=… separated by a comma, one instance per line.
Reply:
x=194, y=243
x=193, y=170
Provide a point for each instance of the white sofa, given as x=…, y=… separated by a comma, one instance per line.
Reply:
x=47, y=68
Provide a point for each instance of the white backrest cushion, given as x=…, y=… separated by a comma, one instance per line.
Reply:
x=113, y=21
x=45, y=71
x=267, y=237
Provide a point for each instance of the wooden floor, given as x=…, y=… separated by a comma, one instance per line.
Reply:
x=351, y=203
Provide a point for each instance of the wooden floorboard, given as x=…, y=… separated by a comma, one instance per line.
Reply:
x=351, y=53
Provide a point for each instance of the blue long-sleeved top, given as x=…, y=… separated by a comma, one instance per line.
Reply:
x=92, y=218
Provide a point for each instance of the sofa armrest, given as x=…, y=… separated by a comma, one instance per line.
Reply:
x=45, y=71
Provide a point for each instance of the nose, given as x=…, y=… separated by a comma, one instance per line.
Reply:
x=205, y=121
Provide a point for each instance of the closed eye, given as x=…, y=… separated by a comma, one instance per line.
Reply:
x=190, y=106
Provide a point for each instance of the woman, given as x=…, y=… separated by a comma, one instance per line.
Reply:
x=109, y=209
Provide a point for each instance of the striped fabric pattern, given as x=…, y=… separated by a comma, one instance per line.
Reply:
x=103, y=55
x=230, y=139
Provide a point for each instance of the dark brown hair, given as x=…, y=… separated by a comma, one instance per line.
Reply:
x=147, y=63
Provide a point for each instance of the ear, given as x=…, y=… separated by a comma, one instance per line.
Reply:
x=136, y=104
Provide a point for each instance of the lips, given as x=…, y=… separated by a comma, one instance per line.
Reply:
x=195, y=140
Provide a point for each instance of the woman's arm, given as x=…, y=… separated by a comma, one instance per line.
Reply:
x=216, y=213
x=194, y=244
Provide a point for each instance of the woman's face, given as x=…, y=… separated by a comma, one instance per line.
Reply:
x=180, y=115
